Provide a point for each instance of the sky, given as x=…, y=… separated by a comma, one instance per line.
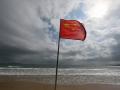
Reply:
x=29, y=32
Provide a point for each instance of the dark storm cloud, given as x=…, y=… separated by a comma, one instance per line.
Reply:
x=8, y=53
x=19, y=34
x=12, y=54
x=25, y=29
x=29, y=33
x=115, y=57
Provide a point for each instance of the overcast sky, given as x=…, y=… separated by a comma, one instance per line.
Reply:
x=29, y=32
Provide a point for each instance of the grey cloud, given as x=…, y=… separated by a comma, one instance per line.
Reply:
x=102, y=44
x=116, y=49
x=10, y=55
x=28, y=28
x=7, y=53
x=25, y=25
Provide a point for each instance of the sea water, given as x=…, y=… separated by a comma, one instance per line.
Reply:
x=109, y=75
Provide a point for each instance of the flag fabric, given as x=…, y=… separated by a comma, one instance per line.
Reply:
x=72, y=29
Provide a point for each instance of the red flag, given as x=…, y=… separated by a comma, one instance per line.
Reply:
x=72, y=29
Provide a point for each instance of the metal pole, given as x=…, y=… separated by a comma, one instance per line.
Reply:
x=57, y=62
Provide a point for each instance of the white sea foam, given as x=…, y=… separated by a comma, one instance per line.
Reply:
x=27, y=71
x=51, y=71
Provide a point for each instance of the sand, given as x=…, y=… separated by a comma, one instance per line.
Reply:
x=13, y=84
x=28, y=85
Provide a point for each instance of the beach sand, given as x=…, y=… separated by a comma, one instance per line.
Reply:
x=15, y=84
x=22, y=85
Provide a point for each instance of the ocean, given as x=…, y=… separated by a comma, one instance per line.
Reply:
x=66, y=76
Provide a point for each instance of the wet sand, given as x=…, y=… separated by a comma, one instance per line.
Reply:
x=29, y=85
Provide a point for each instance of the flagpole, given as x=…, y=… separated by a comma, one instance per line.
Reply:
x=56, y=76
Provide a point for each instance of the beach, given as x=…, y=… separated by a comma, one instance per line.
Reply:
x=28, y=85
x=68, y=79
x=15, y=83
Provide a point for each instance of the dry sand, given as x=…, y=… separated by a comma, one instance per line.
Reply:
x=28, y=85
